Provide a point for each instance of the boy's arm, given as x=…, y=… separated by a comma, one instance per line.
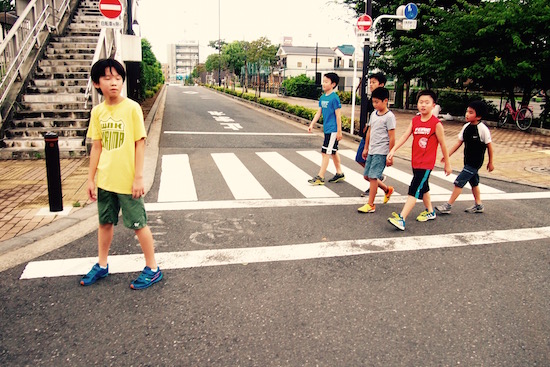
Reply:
x=94, y=160
x=454, y=148
x=391, y=134
x=440, y=134
x=338, y=113
x=398, y=144
x=315, y=119
x=138, y=189
x=490, y=166
x=366, y=147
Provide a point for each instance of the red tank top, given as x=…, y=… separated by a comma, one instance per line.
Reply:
x=424, y=149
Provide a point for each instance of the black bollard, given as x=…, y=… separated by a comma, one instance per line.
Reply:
x=53, y=170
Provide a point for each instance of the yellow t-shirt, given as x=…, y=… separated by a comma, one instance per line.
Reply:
x=118, y=127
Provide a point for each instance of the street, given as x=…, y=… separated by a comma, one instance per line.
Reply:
x=262, y=269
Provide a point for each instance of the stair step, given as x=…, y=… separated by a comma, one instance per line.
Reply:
x=62, y=75
x=47, y=106
x=82, y=63
x=53, y=98
x=37, y=115
x=64, y=142
x=41, y=83
x=39, y=132
x=55, y=90
x=53, y=122
x=69, y=39
x=73, y=46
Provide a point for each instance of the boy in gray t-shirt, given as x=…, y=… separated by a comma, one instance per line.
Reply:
x=379, y=141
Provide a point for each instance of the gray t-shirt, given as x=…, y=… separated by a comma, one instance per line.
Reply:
x=379, y=142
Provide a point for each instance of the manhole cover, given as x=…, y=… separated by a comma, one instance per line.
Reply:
x=539, y=170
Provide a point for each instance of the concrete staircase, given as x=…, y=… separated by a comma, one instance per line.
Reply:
x=55, y=100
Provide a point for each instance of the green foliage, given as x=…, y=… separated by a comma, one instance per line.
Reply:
x=301, y=86
x=150, y=71
x=6, y=5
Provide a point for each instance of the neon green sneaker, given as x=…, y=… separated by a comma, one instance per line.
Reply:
x=426, y=216
x=367, y=208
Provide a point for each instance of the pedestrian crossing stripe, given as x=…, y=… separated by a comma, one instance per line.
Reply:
x=177, y=182
x=308, y=251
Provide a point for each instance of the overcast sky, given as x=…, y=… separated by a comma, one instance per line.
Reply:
x=164, y=22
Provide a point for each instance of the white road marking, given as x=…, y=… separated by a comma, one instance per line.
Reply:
x=295, y=176
x=353, y=178
x=281, y=203
x=241, y=182
x=308, y=251
x=235, y=133
x=400, y=176
x=176, y=179
x=452, y=177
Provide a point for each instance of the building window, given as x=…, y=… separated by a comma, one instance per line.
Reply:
x=315, y=60
x=329, y=60
x=299, y=64
x=350, y=63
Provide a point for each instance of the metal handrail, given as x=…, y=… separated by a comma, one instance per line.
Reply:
x=23, y=36
x=105, y=48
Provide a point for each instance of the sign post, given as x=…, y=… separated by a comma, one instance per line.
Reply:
x=112, y=11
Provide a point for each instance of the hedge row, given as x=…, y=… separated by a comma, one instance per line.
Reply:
x=300, y=111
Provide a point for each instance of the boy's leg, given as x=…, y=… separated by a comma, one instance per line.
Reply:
x=373, y=189
x=324, y=165
x=146, y=241
x=336, y=159
x=426, y=199
x=477, y=194
x=104, y=240
x=408, y=207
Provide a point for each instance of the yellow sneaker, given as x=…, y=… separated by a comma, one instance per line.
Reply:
x=367, y=208
x=426, y=216
x=387, y=195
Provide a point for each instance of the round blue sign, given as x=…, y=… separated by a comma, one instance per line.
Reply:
x=411, y=11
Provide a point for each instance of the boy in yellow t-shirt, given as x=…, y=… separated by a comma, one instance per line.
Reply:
x=118, y=145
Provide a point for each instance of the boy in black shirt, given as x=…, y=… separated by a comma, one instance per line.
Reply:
x=476, y=138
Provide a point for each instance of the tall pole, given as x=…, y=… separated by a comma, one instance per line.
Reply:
x=316, y=60
x=364, y=79
x=219, y=44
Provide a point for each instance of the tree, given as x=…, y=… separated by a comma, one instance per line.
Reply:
x=150, y=70
x=263, y=53
x=234, y=55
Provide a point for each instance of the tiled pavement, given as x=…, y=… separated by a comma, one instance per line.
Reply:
x=519, y=157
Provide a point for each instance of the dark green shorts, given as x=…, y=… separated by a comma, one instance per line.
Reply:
x=110, y=203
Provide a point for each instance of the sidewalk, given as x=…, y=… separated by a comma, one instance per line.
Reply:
x=519, y=157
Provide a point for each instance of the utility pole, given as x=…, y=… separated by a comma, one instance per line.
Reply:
x=219, y=44
x=364, y=79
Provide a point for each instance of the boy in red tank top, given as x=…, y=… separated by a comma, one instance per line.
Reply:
x=428, y=133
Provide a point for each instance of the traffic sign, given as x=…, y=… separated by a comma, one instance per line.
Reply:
x=364, y=22
x=411, y=11
x=110, y=8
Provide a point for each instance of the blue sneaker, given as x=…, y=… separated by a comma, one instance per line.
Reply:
x=397, y=221
x=146, y=279
x=94, y=275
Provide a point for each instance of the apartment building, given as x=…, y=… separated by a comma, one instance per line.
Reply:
x=182, y=59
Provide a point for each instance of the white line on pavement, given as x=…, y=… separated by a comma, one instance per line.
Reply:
x=308, y=251
x=235, y=133
x=241, y=182
x=176, y=179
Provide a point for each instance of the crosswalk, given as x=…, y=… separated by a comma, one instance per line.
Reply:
x=246, y=176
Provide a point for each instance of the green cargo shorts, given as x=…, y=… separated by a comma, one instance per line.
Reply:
x=109, y=205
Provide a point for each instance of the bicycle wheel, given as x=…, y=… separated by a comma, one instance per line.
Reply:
x=502, y=118
x=524, y=118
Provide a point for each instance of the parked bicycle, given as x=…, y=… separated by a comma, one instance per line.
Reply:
x=523, y=117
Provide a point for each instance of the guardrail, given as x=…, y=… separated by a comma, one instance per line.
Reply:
x=105, y=48
x=29, y=31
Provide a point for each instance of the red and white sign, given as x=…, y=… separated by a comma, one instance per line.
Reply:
x=110, y=8
x=364, y=22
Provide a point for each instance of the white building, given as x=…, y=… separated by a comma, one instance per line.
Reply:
x=298, y=60
x=182, y=58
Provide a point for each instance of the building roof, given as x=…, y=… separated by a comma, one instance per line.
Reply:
x=305, y=50
x=347, y=50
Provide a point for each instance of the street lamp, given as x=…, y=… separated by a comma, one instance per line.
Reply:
x=219, y=45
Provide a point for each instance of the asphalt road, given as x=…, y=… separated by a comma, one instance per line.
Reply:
x=293, y=279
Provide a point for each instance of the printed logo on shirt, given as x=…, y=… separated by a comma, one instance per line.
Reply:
x=324, y=104
x=422, y=131
x=112, y=134
x=423, y=143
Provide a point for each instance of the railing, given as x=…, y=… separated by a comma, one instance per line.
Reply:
x=105, y=48
x=37, y=19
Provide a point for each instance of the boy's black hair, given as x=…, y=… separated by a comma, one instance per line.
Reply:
x=98, y=70
x=427, y=92
x=480, y=107
x=381, y=93
x=334, y=78
x=380, y=77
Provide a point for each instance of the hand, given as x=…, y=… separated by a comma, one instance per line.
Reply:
x=339, y=136
x=138, y=190
x=448, y=169
x=490, y=167
x=91, y=191
x=364, y=154
x=310, y=128
x=389, y=161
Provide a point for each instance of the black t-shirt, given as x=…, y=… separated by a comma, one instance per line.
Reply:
x=362, y=130
x=475, y=138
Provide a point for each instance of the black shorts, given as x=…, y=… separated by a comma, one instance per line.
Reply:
x=330, y=145
x=419, y=184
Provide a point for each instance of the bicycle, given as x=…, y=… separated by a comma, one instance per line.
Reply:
x=523, y=117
